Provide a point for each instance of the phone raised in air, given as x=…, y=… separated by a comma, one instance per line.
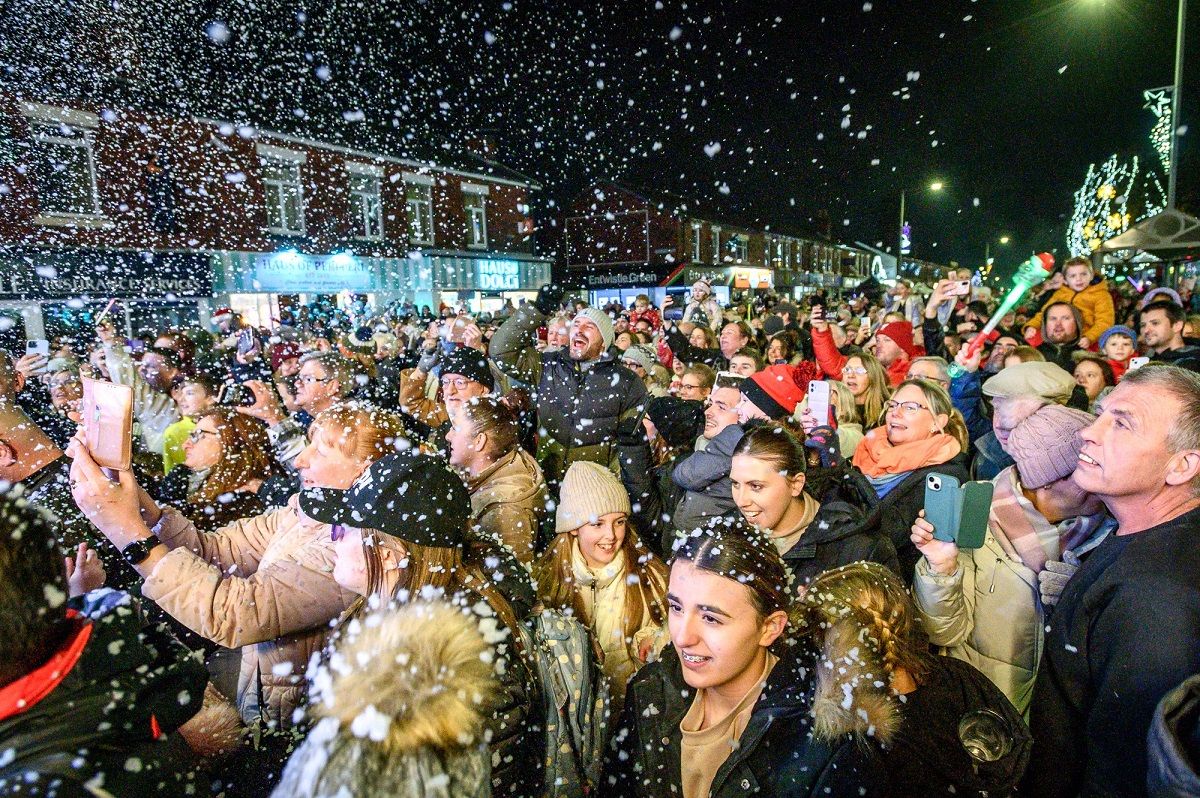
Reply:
x=958, y=288
x=818, y=401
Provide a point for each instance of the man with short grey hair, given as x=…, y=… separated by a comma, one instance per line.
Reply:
x=934, y=369
x=1127, y=627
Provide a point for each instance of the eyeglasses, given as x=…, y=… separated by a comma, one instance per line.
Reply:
x=198, y=433
x=59, y=384
x=691, y=386
x=859, y=370
x=309, y=379
x=907, y=407
x=459, y=383
x=337, y=532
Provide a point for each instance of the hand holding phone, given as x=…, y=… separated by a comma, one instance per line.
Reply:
x=958, y=288
x=818, y=401
x=958, y=513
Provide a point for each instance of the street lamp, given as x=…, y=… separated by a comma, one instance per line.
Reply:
x=937, y=185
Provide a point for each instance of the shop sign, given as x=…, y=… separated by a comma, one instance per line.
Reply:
x=498, y=275
x=290, y=272
x=616, y=280
x=126, y=275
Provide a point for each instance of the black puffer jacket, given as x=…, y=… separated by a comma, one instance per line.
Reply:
x=579, y=405
x=653, y=493
x=893, y=517
x=836, y=537
x=98, y=729
x=777, y=755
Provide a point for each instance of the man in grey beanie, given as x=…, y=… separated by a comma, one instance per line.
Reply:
x=582, y=392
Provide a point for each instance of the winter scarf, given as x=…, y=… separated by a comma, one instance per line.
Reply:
x=1024, y=533
x=876, y=457
x=603, y=594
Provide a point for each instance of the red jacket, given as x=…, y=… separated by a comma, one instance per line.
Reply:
x=832, y=361
x=649, y=314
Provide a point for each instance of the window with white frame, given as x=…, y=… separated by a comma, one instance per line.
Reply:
x=366, y=205
x=418, y=192
x=64, y=164
x=475, y=205
x=284, y=193
x=696, y=242
x=716, y=244
x=738, y=243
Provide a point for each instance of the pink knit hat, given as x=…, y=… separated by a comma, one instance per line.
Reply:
x=1046, y=444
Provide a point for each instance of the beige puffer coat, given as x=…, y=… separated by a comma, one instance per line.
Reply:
x=508, y=500
x=263, y=584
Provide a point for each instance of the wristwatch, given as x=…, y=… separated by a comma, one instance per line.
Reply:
x=139, y=550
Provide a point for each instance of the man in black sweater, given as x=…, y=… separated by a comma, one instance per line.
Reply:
x=1127, y=628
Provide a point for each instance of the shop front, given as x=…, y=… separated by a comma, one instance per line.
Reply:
x=727, y=281
x=620, y=283
x=267, y=286
x=799, y=285
x=47, y=294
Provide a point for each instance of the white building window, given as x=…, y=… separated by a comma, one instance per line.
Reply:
x=739, y=247
x=64, y=164
x=695, y=242
x=283, y=189
x=475, y=204
x=419, y=201
x=716, y=244
x=366, y=205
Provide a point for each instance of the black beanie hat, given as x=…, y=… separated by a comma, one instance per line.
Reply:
x=679, y=421
x=412, y=496
x=470, y=363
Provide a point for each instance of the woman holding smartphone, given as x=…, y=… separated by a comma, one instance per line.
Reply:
x=738, y=705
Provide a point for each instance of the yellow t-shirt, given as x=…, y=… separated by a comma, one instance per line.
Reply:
x=173, y=439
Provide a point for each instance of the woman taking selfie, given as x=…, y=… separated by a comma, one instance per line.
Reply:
x=598, y=569
x=921, y=434
x=739, y=705
x=388, y=547
x=768, y=478
x=508, y=493
x=262, y=584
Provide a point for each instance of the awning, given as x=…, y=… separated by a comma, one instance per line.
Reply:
x=1169, y=231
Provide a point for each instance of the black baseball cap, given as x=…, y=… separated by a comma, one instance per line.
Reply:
x=412, y=496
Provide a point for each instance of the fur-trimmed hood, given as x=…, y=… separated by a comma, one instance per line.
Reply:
x=417, y=676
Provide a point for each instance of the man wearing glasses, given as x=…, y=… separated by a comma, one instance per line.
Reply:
x=325, y=379
x=465, y=375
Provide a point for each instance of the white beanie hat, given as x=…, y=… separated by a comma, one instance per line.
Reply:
x=602, y=322
x=588, y=491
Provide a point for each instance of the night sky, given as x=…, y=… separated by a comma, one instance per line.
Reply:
x=822, y=110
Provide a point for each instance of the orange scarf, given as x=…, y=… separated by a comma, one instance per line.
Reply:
x=876, y=456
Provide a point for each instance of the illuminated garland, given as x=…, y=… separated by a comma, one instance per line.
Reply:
x=1158, y=102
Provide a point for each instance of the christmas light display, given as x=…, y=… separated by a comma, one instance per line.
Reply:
x=1158, y=102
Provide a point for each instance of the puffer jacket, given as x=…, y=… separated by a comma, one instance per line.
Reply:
x=1174, y=744
x=98, y=731
x=1095, y=304
x=778, y=753
x=263, y=584
x=652, y=492
x=704, y=476
x=435, y=716
x=836, y=537
x=508, y=500
x=579, y=404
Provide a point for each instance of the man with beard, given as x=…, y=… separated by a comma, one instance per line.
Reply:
x=1060, y=332
x=582, y=392
x=1162, y=334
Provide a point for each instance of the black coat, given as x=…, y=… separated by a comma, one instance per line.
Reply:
x=1174, y=744
x=102, y=719
x=776, y=756
x=1124, y=633
x=893, y=517
x=653, y=494
x=683, y=349
x=836, y=537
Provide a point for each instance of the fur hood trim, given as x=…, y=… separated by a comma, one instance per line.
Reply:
x=419, y=675
x=853, y=695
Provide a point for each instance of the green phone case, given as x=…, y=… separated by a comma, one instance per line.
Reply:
x=973, y=515
x=943, y=506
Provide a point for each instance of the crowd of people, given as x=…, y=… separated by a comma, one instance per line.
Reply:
x=644, y=551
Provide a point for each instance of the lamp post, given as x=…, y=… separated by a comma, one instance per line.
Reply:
x=1176, y=104
x=937, y=185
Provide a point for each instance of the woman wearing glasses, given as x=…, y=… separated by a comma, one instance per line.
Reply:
x=921, y=433
x=228, y=457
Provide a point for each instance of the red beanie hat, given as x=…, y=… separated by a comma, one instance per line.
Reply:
x=902, y=333
x=776, y=390
x=280, y=352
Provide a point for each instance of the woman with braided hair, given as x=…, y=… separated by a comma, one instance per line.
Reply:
x=933, y=703
x=728, y=709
